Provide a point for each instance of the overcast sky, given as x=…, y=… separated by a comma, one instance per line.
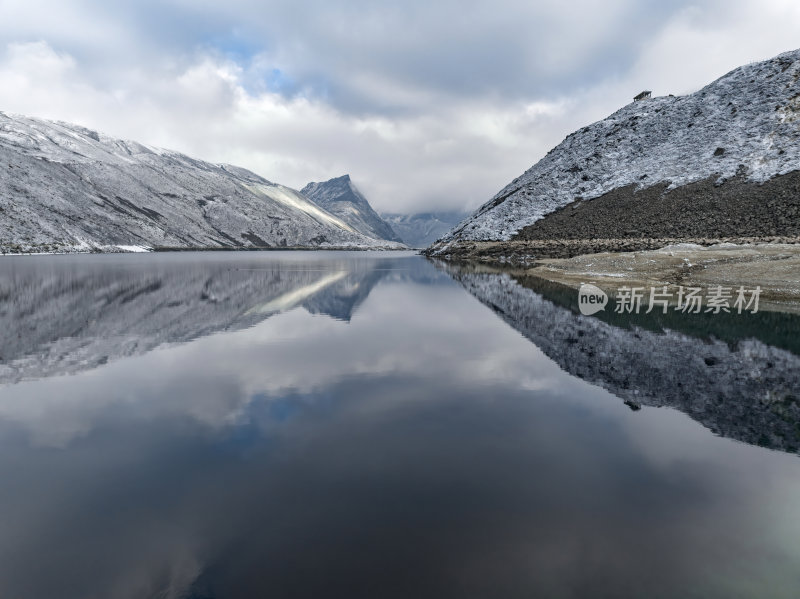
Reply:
x=427, y=104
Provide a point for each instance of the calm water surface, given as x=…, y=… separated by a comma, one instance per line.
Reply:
x=371, y=425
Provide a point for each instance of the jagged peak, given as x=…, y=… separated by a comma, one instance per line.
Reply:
x=341, y=197
x=331, y=183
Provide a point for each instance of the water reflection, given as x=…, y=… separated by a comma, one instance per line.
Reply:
x=65, y=314
x=739, y=375
x=386, y=436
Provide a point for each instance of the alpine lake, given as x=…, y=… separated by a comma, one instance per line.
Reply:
x=374, y=424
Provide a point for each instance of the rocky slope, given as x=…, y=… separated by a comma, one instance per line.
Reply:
x=67, y=188
x=719, y=163
x=422, y=229
x=341, y=198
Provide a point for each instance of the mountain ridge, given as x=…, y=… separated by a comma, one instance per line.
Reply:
x=64, y=187
x=744, y=126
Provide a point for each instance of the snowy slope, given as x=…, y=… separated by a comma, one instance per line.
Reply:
x=340, y=196
x=65, y=187
x=747, y=122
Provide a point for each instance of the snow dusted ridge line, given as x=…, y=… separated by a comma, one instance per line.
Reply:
x=746, y=123
x=65, y=188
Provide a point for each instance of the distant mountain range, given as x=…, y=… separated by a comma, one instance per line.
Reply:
x=341, y=198
x=721, y=163
x=67, y=188
x=422, y=229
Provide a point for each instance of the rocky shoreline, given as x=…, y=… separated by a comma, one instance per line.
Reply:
x=774, y=267
x=530, y=251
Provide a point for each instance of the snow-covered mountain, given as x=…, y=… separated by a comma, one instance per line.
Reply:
x=422, y=229
x=735, y=134
x=65, y=187
x=341, y=198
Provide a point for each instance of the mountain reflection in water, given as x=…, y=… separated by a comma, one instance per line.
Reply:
x=356, y=424
x=67, y=313
x=720, y=369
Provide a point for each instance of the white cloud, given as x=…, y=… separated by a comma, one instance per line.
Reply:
x=701, y=44
x=425, y=106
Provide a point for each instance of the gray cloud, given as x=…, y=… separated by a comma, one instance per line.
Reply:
x=425, y=105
